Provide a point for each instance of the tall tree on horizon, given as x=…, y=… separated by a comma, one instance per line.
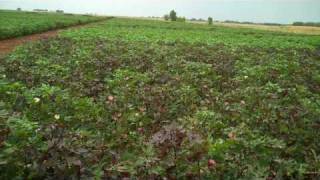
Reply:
x=210, y=20
x=173, y=15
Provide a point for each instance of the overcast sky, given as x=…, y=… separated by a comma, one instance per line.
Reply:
x=278, y=11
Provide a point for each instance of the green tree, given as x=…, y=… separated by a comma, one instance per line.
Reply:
x=166, y=17
x=210, y=20
x=173, y=15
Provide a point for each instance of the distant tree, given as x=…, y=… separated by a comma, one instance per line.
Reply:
x=316, y=24
x=59, y=11
x=210, y=20
x=297, y=23
x=18, y=9
x=166, y=17
x=40, y=10
x=173, y=15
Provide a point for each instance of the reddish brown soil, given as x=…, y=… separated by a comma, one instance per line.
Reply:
x=8, y=45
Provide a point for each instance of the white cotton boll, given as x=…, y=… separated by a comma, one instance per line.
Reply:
x=36, y=100
x=57, y=116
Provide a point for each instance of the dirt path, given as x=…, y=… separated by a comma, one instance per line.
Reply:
x=8, y=45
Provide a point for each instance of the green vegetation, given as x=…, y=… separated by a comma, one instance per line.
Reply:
x=18, y=23
x=173, y=16
x=315, y=24
x=210, y=20
x=247, y=22
x=150, y=99
x=181, y=19
x=169, y=32
x=166, y=17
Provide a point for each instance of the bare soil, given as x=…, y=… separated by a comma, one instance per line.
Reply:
x=8, y=45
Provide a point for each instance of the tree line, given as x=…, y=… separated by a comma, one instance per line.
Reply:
x=172, y=16
x=316, y=24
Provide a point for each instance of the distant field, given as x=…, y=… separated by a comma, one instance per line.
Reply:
x=162, y=31
x=310, y=30
x=141, y=99
x=282, y=28
x=15, y=23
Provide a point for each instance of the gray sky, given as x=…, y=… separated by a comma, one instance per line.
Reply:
x=278, y=11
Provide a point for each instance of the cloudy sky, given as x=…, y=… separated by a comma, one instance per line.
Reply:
x=278, y=11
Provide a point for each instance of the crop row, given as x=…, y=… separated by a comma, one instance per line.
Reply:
x=161, y=31
x=14, y=23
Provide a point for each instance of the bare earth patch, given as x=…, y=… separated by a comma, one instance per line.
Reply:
x=8, y=45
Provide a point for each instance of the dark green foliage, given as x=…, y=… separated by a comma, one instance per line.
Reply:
x=59, y=11
x=306, y=24
x=108, y=106
x=210, y=20
x=166, y=17
x=18, y=23
x=247, y=22
x=173, y=16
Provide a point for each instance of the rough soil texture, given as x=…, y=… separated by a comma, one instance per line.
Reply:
x=8, y=45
